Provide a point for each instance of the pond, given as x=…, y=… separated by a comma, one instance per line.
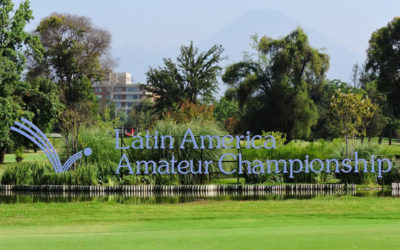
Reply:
x=9, y=197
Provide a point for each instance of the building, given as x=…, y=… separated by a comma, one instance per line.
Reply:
x=119, y=89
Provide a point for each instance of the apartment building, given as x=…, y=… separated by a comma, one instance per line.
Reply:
x=119, y=89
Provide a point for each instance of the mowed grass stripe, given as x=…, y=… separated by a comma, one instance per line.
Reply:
x=345, y=222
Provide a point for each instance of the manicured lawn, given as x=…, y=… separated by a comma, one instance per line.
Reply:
x=321, y=223
x=9, y=158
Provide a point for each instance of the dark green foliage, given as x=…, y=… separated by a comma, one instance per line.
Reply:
x=322, y=94
x=273, y=88
x=41, y=97
x=191, y=78
x=383, y=59
x=15, y=44
x=225, y=109
x=378, y=122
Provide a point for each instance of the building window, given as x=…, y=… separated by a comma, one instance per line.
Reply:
x=119, y=89
x=108, y=97
x=97, y=89
x=119, y=97
x=129, y=104
x=132, y=89
x=99, y=96
x=118, y=104
x=132, y=97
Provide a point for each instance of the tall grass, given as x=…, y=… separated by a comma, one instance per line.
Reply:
x=177, y=131
x=37, y=173
x=101, y=139
x=322, y=149
x=100, y=167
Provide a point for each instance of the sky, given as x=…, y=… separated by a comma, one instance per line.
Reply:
x=161, y=24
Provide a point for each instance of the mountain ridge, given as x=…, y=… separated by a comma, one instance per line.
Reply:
x=235, y=38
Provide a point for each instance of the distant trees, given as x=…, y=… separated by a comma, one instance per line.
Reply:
x=273, y=87
x=192, y=77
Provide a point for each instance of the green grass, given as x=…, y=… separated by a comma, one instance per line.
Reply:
x=321, y=223
x=39, y=156
x=228, y=181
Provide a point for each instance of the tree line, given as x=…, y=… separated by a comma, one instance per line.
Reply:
x=47, y=76
x=282, y=86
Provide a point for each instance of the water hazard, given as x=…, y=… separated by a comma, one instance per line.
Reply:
x=9, y=197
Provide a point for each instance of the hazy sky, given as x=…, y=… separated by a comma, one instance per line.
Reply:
x=159, y=24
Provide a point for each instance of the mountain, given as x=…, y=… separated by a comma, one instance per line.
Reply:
x=235, y=38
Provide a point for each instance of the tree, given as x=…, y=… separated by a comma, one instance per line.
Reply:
x=377, y=123
x=76, y=55
x=355, y=73
x=273, y=87
x=227, y=112
x=141, y=116
x=192, y=77
x=71, y=120
x=321, y=94
x=15, y=43
x=351, y=114
x=383, y=59
x=122, y=118
x=41, y=98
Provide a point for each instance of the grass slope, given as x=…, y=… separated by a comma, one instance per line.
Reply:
x=321, y=223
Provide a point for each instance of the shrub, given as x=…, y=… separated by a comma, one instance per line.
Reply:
x=280, y=137
x=19, y=154
x=187, y=111
x=231, y=124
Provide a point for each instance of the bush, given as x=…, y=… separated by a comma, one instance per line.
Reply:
x=187, y=111
x=19, y=154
